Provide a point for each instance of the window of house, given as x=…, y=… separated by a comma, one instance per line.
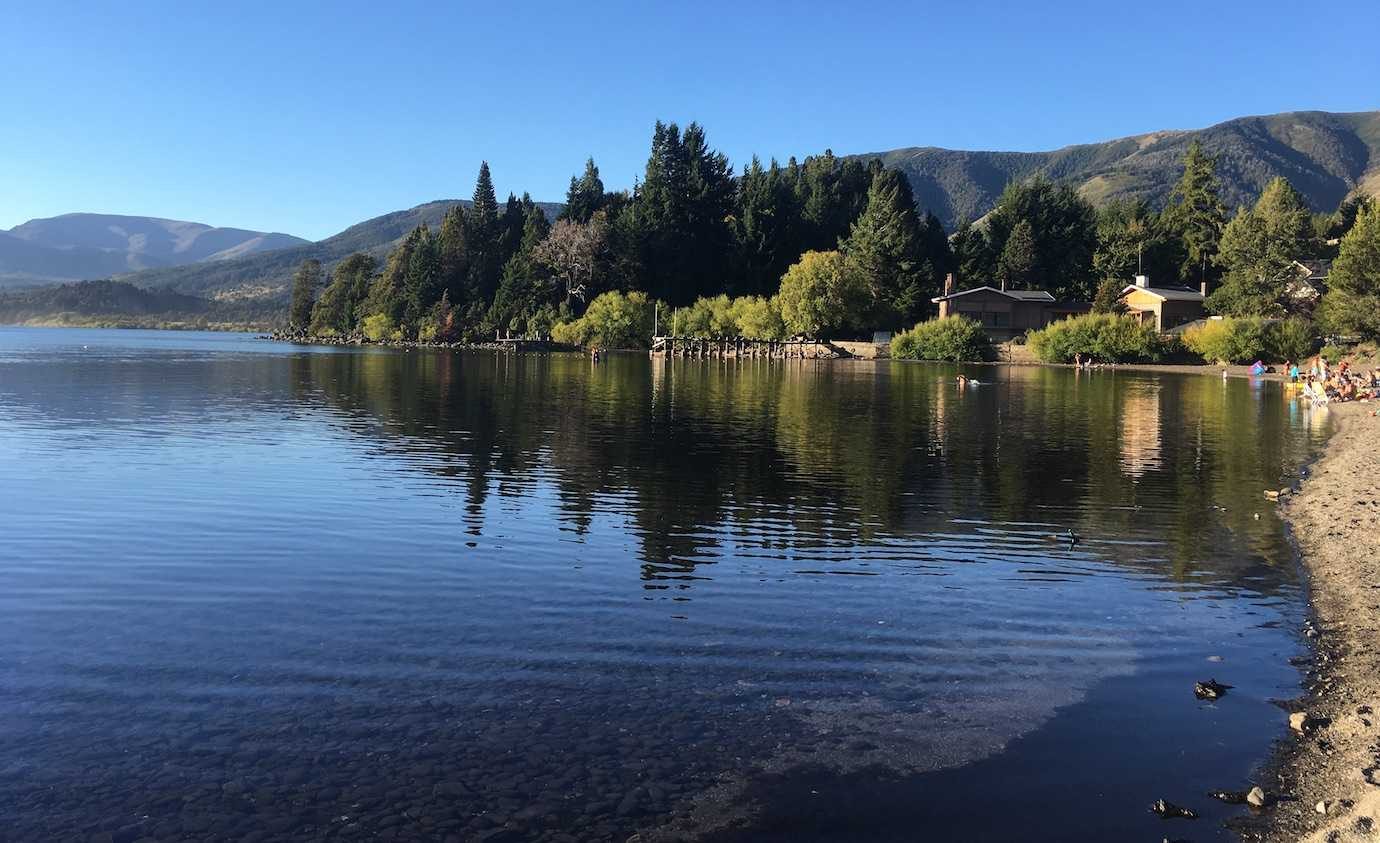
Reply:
x=1001, y=320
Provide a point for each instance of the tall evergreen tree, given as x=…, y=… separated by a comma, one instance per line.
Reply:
x=766, y=226
x=484, y=237
x=686, y=204
x=1351, y=304
x=1258, y=250
x=1195, y=210
x=1063, y=227
x=305, y=283
x=585, y=196
x=422, y=284
x=974, y=263
x=885, y=252
x=1020, y=258
x=453, y=250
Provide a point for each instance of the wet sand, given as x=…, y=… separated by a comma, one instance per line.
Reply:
x=1330, y=774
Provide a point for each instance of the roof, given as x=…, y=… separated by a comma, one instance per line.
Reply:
x=1018, y=295
x=1167, y=293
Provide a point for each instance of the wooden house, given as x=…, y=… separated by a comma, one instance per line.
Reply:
x=1164, y=307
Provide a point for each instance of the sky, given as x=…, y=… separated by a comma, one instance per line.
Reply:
x=306, y=117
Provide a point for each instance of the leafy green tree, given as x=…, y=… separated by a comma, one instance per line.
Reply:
x=1063, y=227
x=886, y=252
x=305, y=283
x=820, y=296
x=758, y=318
x=1351, y=304
x=1196, y=212
x=1020, y=258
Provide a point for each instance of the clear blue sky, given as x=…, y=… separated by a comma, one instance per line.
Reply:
x=306, y=118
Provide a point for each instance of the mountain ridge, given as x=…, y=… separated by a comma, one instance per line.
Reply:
x=1326, y=155
x=83, y=245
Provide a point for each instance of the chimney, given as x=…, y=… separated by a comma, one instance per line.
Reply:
x=1202, y=288
x=1142, y=280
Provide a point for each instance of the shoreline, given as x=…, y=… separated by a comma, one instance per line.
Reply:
x=1324, y=781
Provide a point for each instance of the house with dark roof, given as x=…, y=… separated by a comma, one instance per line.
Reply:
x=1005, y=314
x=1164, y=307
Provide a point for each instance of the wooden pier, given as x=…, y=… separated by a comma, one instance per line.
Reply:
x=745, y=347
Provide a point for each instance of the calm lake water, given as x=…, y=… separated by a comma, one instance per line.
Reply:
x=256, y=591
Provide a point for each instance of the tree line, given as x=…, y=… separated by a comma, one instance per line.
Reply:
x=827, y=246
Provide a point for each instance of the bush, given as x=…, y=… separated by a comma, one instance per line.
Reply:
x=380, y=326
x=953, y=338
x=613, y=320
x=1103, y=337
x=1333, y=354
x=1246, y=339
x=758, y=318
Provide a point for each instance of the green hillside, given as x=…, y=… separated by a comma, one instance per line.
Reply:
x=1325, y=156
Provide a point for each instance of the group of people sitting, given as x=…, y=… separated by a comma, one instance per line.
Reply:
x=1323, y=383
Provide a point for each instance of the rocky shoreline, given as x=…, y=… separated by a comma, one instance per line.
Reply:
x=1326, y=776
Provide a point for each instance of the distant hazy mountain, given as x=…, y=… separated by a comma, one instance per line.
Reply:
x=269, y=274
x=1326, y=156
x=78, y=246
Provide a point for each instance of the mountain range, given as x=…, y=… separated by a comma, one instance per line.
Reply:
x=81, y=246
x=1326, y=156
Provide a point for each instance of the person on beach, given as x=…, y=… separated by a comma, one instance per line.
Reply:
x=1293, y=369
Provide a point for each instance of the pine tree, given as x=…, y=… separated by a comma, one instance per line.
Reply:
x=885, y=251
x=453, y=251
x=1196, y=211
x=422, y=285
x=1258, y=249
x=484, y=237
x=1351, y=304
x=1019, y=258
x=1063, y=227
x=304, y=286
x=586, y=195
x=974, y=263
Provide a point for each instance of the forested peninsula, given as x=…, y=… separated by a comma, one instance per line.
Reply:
x=825, y=247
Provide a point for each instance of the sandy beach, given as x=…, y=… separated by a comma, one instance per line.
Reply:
x=1327, y=780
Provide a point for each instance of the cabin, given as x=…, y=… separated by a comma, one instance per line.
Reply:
x=1306, y=284
x=1005, y=314
x=1165, y=308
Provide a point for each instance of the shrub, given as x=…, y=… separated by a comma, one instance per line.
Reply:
x=1104, y=337
x=758, y=318
x=380, y=326
x=953, y=338
x=1248, y=338
x=1333, y=354
x=613, y=320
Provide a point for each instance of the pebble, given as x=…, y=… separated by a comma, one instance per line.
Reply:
x=1321, y=807
x=1256, y=797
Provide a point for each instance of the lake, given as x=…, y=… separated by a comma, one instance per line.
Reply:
x=255, y=591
